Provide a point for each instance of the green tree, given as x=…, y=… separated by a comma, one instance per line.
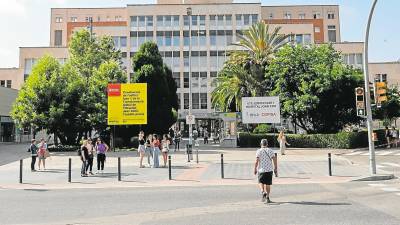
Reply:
x=389, y=110
x=162, y=101
x=243, y=75
x=315, y=88
x=70, y=100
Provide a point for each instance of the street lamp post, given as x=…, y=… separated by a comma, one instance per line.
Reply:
x=372, y=162
x=189, y=14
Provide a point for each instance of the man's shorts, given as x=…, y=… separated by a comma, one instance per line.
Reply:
x=265, y=178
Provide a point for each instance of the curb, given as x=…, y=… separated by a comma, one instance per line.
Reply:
x=376, y=177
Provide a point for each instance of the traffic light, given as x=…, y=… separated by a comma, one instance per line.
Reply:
x=360, y=106
x=381, y=93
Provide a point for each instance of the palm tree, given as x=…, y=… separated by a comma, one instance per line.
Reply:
x=259, y=44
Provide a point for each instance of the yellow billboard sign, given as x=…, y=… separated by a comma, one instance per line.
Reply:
x=127, y=104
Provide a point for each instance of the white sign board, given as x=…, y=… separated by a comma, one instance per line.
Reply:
x=261, y=110
x=190, y=119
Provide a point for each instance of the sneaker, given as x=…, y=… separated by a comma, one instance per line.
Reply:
x=269, y=200
x=91, y=173
x=264, y=196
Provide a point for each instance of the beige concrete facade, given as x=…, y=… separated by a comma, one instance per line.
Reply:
x=386, y=71
x=11, y=78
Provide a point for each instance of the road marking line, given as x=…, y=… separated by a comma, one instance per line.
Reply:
x=398, y=154
x=384, y=153
x=391, y=164
x=377, y=185
x=354, y=153
x=365, y=154
x=380, y=166
x=390, y=189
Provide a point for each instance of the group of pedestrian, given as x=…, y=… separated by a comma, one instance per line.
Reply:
x=88, y=151
x=152, y=147
x=38, y=150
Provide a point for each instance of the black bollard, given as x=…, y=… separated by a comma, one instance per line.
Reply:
x=276, y=156
x=222, y=166
x=330, y=164
x=197, y=155
x=69, y=169
x=169, y=168
x=119, y=168
x=20, y=170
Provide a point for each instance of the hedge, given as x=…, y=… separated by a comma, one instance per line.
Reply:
x=343, y=140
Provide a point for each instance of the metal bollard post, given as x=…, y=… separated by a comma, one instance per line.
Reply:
x=197, y=155
x=188, y=151
x=169, y=168
x=330, y=164
x=276, y=156
x=69, y=169
x=222, y=166
x=20, y=170
x=119, y=168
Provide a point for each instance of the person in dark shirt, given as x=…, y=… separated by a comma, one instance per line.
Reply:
x=33, y=149
x=84, y=158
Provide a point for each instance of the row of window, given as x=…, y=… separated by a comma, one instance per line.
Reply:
x=315, y=15
x=5, y=83
x=355, y=59
x=199, y=79
x=199, y=100
x=197, y=20
x=60, y=19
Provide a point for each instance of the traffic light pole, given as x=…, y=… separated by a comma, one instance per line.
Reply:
x=372, y=162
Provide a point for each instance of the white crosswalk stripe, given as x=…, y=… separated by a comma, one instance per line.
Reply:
x=397, y=154
x=354, y=153
x=377, y=185
x=365, y=153
x=383, y=153
x=391, y=164
x=390, y=189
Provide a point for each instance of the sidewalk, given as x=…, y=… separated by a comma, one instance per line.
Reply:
x=298, y=166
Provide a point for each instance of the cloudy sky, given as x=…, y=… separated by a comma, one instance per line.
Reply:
x=26, y=23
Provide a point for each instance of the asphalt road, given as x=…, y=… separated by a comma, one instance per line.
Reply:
x=330, y=204
x=10, y=152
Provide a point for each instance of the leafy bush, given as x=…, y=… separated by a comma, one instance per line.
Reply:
x=262, y=129
x=343, y=140
x=63, y=148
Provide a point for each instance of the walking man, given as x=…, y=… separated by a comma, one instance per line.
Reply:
x=265, y=165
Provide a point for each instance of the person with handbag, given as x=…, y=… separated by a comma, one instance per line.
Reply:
x=42, y=153
x=266, y=164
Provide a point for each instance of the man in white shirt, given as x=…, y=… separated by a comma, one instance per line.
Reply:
x=265, y=166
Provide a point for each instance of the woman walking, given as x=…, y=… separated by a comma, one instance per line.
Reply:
x=156, y=151
x=149, y=148
x=84, y=158
x=91, y=152
x=165, y=149
x=101, y=149
x=141, y=148
x=42, y=153
x=282, y=142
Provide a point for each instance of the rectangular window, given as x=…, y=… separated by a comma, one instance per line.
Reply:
x=168, y=38
x=332, y=33
x=186, y=20
x=228, y=20
x=271, y=16
x=220, y=20
x=149, y=21
x=167, y=21
x=307, y=39
x=195, y=101
x=186, y=39
x=195, y=38
x=239, y=20
x=9, y=83
x=141, y=37
x=2, y=83
x=254, y=18
x=142, y=22
x=149, y=36
x=134, y=39
x=134, y=20
x=194, y=20
x=213, y=37
x=287, y=16
x=213, y=74
x=177, y=78
x=179, y=100
x=186, y=80
x=302, y=16
x=186, y=100
x=203, y=60
x=203, y=79
x=202, y=38
x=176, y=38
x=203, y=100
x=317, y=29
x=331, y=15
x=88, y=19
x=213, y=21
x=185, y=58
x=74, y=19
x=316, y=15
x=246, y=19
x=359, y=57
x=299, y=38
x=59, y=19
x=118, y=18
x=160, y=38
x=202, y=20
x=58, y=37
x=123, y=42
x=221, y=40
x=229, y=37
x=160, y=21
x=176, y=59
x=352, y=59
x=175, y=21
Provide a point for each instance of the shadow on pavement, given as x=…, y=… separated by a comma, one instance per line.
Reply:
x=36, y=190
x=186, y=180
x=230, y=178
x=311, y=203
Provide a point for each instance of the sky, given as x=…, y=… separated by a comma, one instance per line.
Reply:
x=26, y=23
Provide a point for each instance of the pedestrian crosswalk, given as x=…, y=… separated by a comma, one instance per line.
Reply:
x=389, y=187
x=378, y=153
